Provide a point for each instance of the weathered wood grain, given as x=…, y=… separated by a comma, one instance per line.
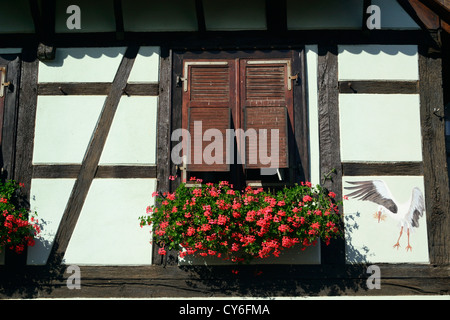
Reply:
x=163, y=146
x=95, y=88
x=379, y=87
x=437, y=191
x=382, y=169
x=330, y=157
x=219, y=281
x=9, y=124
x=106, y=171
x=23, y=168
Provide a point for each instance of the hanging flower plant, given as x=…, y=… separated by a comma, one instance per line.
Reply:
x=216, y=220
x=18, y=226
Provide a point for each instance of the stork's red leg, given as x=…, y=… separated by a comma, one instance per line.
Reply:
x=397, y=245
x=408, y=247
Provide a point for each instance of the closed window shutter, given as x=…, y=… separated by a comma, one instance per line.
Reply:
x=208, y=97
x=266, y=103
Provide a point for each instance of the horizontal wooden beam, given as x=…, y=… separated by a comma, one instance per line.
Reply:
x=227, y=39
x=382, y=168
x=104, y=171
x=219, y=281
x=381, y=87
x=95, y=88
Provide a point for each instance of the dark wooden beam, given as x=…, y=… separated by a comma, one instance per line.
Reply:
x=103, y=171
x=91, y=159
x=301, y=127
x=23, y=168
x=421, y=14
x=382, y=87
x=96, y=88
x=330, y=156
x=213, y=40
x=11, y=105
x=26, y=114
x=402, y=280
x=437, y=192
x=382, y=169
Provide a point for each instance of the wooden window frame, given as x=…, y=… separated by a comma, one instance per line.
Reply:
x=298, y=142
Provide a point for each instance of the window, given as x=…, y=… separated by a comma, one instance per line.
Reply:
x=237, y=117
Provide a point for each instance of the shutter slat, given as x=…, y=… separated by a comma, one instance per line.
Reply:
x=211, y=118
x=269, y=118
x=265, y=82
x=209, y=83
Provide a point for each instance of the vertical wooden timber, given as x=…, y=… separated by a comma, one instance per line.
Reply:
x=437, y=193
x=9, y=125
x=163, y=132
x=23, y=170
x=301, y=127
x=330, y=158
x=26, y=114
x=91, y=158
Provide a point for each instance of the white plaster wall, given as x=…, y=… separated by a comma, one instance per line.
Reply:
x=146, y=65
x=380, y=127
x=82, y=65
x=370, y=241
x=64, y=125
x=378, y=62
x=108, y=231
x=48, y=197
x=132, y=137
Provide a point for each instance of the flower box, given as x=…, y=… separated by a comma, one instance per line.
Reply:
x=241, y=226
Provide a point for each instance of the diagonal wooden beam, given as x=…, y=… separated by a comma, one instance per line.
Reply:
x=91, y=159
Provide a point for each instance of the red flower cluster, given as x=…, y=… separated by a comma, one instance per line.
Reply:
x=17, y=226
x=216, y=220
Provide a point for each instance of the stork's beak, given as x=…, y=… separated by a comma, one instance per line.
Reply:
x=379, y=216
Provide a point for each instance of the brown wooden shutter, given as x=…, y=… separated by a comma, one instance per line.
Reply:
x=266, y=103
x=208, y=97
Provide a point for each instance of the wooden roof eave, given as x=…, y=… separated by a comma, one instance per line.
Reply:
x=430, y=15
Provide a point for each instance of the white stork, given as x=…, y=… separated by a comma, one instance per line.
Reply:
x=407, y=214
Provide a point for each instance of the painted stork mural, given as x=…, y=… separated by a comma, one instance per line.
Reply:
x=407, y=214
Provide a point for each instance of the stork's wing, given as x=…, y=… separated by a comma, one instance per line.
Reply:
x=416, y=208
x=376, y=191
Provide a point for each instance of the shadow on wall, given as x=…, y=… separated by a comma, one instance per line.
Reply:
x=352, y=254
x=407, y=50
x=111, y=52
